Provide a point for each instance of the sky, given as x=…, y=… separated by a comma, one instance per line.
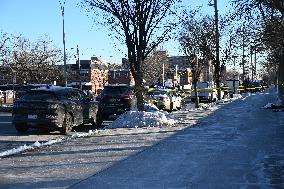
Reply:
x=37, y=18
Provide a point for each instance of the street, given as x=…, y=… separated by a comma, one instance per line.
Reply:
x=240, y=145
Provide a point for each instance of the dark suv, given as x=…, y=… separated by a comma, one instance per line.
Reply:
x=54, y=108
x=24, y=89
x=115, y=100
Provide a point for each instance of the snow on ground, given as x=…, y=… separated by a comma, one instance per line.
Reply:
x=37, y=144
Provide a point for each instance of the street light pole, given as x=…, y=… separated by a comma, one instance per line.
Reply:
x=64, y=50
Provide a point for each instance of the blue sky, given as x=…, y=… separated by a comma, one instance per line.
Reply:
x=36, y=18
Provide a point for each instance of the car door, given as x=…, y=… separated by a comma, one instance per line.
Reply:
x=89, y=106
x=76, y=106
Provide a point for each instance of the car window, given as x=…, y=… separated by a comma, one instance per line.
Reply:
x=76, y=95
x=115, y=90
x=39, y=95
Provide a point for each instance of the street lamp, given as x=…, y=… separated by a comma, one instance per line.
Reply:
x=65, y=68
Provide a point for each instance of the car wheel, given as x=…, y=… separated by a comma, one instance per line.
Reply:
x=67, y=125
x=21, y=128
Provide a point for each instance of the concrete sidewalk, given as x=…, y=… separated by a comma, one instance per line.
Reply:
x=238, y=146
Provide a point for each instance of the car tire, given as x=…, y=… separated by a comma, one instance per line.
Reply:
x=67, y=125
x=21, y=128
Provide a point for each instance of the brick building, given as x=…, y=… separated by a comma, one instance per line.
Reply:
x=95, y=74
x=120, y=76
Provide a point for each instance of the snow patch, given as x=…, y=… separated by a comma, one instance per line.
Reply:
x=37, y=144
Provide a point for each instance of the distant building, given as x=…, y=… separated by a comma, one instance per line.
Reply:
x=120, y=76
x=93, y=74
x=180, y=61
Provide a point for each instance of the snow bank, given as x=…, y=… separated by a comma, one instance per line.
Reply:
x=37, y=144
x=135, y=119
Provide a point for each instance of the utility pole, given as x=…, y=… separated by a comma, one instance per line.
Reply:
x=79, y=67
x=251, y=62
x=234, y=57
x=217, y=40
x=255, y=63
x=163, y=75
x=217, y=69
x=176, y=75
x=64, y=51
x=243, y=57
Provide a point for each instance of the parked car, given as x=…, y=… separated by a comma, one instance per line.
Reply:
x=115, y=100
x=254, y=87
x=54, y=108
x=154, y=95
x=169, y=101
x=24, y=89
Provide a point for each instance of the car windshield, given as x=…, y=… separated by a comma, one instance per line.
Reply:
x=115, y=90
x=39, y=95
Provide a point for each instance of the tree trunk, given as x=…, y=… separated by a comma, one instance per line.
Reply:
x=196, y=96
x=194, y=81
x=139, y=88
x=139, y=93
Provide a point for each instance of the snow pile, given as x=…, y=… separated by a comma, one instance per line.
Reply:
x=236, y=96
x=273, y=106
x=37, y=144
x=202, y=106
x=135, y=119
x=150, y=107
x=189, y=107
x=268, y=105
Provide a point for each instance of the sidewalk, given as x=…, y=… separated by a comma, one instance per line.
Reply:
x=238, y=146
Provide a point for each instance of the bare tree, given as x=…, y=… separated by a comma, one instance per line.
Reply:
x=270, y=13
x=34, y=62
x=137, y=23
x=4, y=47
x=197, y=37
x=153, y=66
